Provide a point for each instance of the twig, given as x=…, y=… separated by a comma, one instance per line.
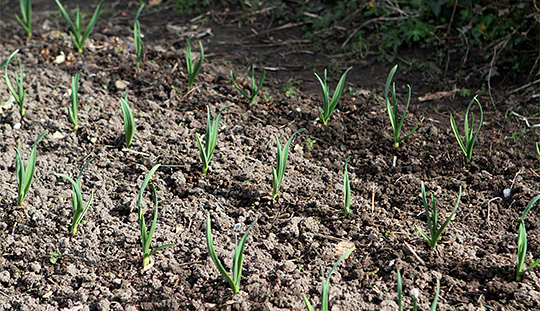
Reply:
x=514, y=180
x=329, y=237
x=451, y=19
x=464, y=60
x=524, y=86
x=522, y=118
x=496, y=50
x=190, y=263
x=136, y=152
x=414, y=253
x=489, y=207
x=379, y=19
x=372, y=198
x=286, y=26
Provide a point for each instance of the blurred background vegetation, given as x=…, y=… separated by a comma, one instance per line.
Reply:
x=485, y=39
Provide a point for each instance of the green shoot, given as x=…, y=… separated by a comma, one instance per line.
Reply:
x=237, y=257
x=146, y=236
x=522, y=244
x=25, y=175
x=392, y=108
x=54, y=256
x=193, y=69
x=19, y=93
x=330, y=105
x=537, y=149
x=255, y=88
x=77, y=36
x=139, y=45
x=470, y=134
x=279, y=170
x=129, y=123
x=414, y=293
x=26, y=20
x=346, y=191
x=73, y=113
x=210, y=139
x=399, y=292
x=325, y=291
x=432, y=219
x=436, y=299
x=79, y=209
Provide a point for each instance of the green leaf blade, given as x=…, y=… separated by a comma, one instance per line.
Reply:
x=215, y=259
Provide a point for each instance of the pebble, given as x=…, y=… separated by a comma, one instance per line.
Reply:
x=5, y=276
x=103, y=305
x=58, y=135
x=35, y=266
x=121, y=84
x=71, y=270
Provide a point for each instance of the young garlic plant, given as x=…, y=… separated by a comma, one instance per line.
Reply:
x=325, y=290
x=392, y=108
x=146, y=236
x=18, y=92
x=25, y=175
x=237, y=256
x=279, y=170
x=522, y=244
x=330, y=105
x=255, y=87
x=414, y=293
x=79, y=209
x=73, y=113
x=192, y=68
x=77, y=36
x=210, y=139
x=470, y=135
x=137, y=36
x=431, y=216
x=129, y=122
x=26, y=20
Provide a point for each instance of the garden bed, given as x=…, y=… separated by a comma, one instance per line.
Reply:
x=42, y=267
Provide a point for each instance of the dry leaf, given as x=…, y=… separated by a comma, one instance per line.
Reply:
x=343, y=247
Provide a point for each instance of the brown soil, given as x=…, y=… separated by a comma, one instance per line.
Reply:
x=297, y=234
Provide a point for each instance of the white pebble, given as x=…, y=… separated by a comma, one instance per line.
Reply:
x=414, y=293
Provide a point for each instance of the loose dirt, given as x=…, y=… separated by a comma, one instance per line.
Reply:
x=43, y=268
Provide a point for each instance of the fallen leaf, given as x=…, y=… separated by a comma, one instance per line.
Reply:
x=342, y=247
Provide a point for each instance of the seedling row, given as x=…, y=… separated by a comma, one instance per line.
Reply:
x=206, y=144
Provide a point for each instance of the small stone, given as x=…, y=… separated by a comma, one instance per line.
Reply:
x=414, y=293
x=288, y=266
x=71, y=270
x=36, y=267
x=60, y=58
x=433, y=131
x=57, y=135
x=121, y=84
x=103, y=305
x=5, y=276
